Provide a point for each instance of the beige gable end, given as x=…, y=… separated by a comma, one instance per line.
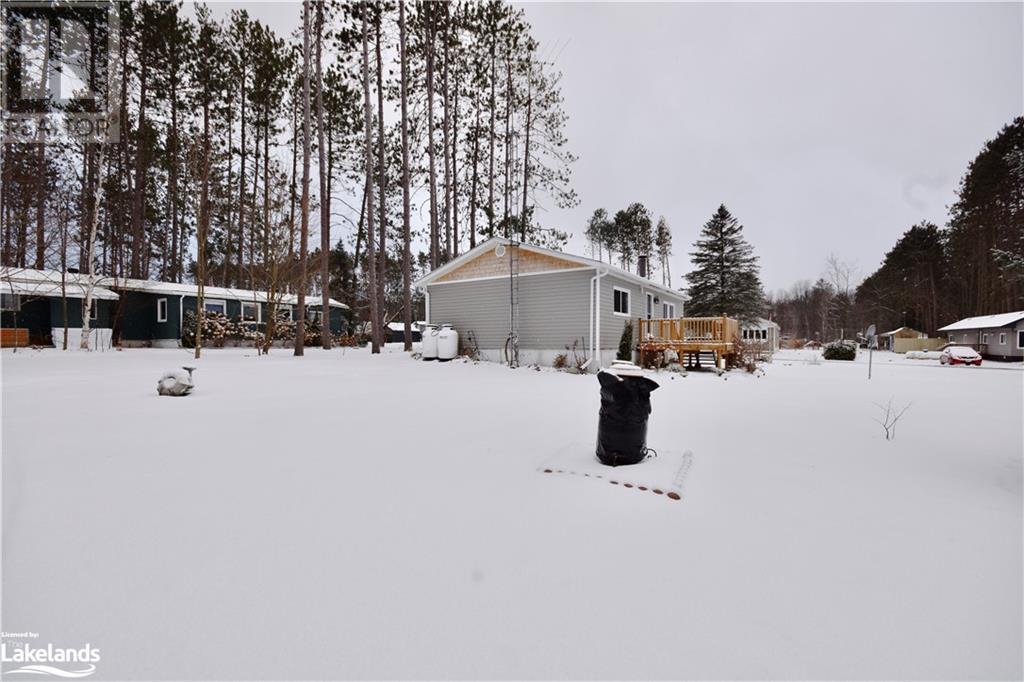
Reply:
x=489, y=265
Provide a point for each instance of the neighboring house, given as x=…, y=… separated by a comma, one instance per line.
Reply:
x=1000, y=337
x=549, y=298
x=133, y=312
x=761, y=332
x=151, y=313
x=34, y=305
x=907, y=339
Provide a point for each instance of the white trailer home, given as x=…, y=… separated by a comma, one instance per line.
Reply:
x=507, y=299
x=1000, y=337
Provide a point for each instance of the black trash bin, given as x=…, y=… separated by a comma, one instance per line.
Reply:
x=625, y=406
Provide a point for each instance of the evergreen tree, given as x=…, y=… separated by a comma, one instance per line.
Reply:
x=663, y=245
x=726, y=279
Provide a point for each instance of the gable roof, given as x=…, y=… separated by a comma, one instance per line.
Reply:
x=985, y=322
x=760, y=323
x=582, y=261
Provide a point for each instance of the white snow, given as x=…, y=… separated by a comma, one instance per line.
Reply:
x=342, y=515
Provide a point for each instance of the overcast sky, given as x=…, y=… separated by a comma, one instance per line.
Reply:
x=823, y=127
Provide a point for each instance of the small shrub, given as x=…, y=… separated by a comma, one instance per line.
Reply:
x=561, y=361
x=626, y=342
x=840, y=350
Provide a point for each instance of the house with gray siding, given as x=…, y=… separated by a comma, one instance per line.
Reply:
x=998, y=337
x=549, y=299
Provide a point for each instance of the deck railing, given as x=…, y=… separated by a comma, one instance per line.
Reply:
x=698, y=330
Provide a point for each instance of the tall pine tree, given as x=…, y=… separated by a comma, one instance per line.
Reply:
x=726, y=279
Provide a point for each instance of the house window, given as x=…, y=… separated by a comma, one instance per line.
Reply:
x=952, y=339
x=620, y=301
x=250, y=311
x=161, y=310
x=650, y=306
x=94, y=310
x=984, y=338
x=216, y=307
x=1020, y=339
x=668, y=310
x=284, y=313
x=10, y=302
x=1002, y=339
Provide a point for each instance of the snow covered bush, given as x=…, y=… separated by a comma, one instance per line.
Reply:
x=840, y=350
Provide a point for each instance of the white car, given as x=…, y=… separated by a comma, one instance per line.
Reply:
x=960, y=355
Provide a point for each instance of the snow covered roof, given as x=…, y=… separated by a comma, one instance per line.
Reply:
x=153, y=287
x=985, y=322
x=894, y=332
x=47, y=284
x=583, y=261
x=760, y=323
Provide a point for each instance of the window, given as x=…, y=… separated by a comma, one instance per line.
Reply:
x=94, y=310
x=1002, y=338
x=620, y=301
x=250, y=311
x=213, y=306
x=10, y=302
x=1020, y=339
x=161, y=310
x=668, y=310
x=745, y=333
x=984, y=338
x=284, y=313
x=650, y=306
x=951, y=339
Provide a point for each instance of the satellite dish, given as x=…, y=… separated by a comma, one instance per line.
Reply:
x=871, y=331
x=499, y=251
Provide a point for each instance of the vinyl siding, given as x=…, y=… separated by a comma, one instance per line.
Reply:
x=612, y=324
x=553, y=309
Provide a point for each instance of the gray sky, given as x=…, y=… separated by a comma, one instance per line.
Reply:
x=823, y=127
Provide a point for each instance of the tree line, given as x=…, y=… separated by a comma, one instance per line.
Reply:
x=933, y=275
x=434, y=123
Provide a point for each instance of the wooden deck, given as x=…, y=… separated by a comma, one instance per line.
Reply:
x=687, y=336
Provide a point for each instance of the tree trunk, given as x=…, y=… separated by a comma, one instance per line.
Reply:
x=434, y=237
x=445, y=142
x=203, y=230
x=494, y=105
x=476, y=177
x=93, y=223
x=300, y=323
x=370, y=246
x=241, y=184
x=406, y=233
x=382, y=180
x=139, y=199
x=523, y=216
x=325, y=196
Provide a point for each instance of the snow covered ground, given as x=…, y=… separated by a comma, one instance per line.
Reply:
x=349, y=516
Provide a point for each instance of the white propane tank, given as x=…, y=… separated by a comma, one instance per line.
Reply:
x=429, y=337
x=447, y=343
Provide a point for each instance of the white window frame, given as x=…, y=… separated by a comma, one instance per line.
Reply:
x=984, y=338
x=666, y=308
x=215, y=301
x=629, y=301
x=1002, y=338
x=952, y=337
x=259, y=311
x=1020, y=339
x=649, y=299
x=94, y=309
x=159, y=317
x=284, y=308
x=17, y=301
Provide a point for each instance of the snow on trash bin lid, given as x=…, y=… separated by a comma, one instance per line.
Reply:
x=624, y=368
